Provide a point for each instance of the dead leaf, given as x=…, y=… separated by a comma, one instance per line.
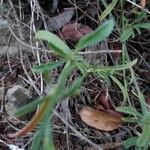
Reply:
x=57, y=22
x=143, y=3
x=75, y=31
x=104, y=100
x=99, y=119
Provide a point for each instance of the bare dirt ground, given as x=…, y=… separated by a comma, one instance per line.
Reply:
x=19, y=21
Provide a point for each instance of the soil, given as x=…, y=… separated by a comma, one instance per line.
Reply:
x=19, y=52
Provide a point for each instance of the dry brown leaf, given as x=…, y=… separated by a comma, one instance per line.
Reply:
x=104, y=100
x=75, y=31
x=100, y=120
x=143, y=3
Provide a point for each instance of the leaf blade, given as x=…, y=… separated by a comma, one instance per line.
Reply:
x=58, y=46
x=98, y=35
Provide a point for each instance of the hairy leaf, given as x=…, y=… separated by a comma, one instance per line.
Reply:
x=98, y=35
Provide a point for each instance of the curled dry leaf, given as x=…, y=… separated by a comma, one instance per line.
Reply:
x=100, y=120
x=75, y=31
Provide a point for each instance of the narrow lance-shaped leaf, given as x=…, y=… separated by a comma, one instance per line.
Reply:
x=127, y=33
x=120, y=86
x=74, y=88
x=98, y=35
x=108, y=9
x=143, y=25
x=129, y=110
x=59, y=89
x=38, y=137
x=58, y=46
x=35, y=120
x=144, y=138
x=130, y=142
x=27, y=108
x=141, y=16
x=46, y=67
x=112, y=68
x=48, y=139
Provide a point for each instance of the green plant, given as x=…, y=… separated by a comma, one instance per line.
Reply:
x=136, y=25
x=69, y=60
x=140, y=115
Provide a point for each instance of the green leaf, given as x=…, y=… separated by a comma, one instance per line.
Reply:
x=112, y=68
x=82, y=67
x=74, y=88
x=48, y=139
x=58, y=46
x=62, y=81
x=123, y=89
x=37, y=141
x=129, y=110
x=143, y=25
x=146, y=118
x=130, y=142
x=137, y=29
x=98, y=35
x=28, y=108
x=108, y=9
x=139, y=18
x=144, y=138
x=46, y=67
x=127, y=33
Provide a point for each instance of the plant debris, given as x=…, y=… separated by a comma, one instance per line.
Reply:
x=100, y=120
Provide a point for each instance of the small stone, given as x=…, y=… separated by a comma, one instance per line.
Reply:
x=17, y=96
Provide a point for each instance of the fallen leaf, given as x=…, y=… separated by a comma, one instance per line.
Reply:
x=104, y=100
x=75, y=31
x=143, y=3
x=114, y=112
x=57, y=22
x=99, y=119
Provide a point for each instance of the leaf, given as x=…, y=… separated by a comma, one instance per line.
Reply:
x=58, y=46
x=123, y=89
x=130, y=142
x=34, y=121
x=139, y=18
x=127, y=33
x=108, y=9
x=129, y=110
x=99, y=119
x=98, y=35
x=144, y=138
x=61, y=84
x=82, y=67
x=112, y=68
x=57, y=22
x=27, y=108
x=143, y=25
x=104, y=100
x=75, y=87
x=75, y=31
x=46, y=67
x=38, y=137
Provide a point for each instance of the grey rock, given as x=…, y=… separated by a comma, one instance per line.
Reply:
x=17, y=96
